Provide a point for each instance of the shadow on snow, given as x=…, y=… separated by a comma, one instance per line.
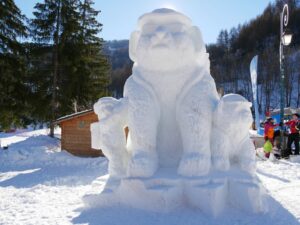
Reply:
x=277, y=214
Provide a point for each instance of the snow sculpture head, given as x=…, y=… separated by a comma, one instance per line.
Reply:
x=236, y=114
x=165, y=35
x=105, y=107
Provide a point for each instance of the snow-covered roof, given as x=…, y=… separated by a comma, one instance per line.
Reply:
x=287, y=111
x=73, y=115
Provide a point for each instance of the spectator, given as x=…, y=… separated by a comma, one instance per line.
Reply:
x=269, y=136
x=269, y=130
x=293, y=136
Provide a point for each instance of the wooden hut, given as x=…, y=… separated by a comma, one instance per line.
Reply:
x=76, y=134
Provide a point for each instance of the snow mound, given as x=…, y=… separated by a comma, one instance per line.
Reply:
x=35, y=148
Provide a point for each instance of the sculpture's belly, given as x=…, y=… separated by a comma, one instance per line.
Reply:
x=169, y=143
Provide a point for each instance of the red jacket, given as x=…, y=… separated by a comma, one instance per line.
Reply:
x=292, y=124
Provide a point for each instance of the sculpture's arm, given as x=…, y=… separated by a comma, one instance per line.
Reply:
x=143, y=115
x=194, y=117
x=220, y=140
x=143, y=118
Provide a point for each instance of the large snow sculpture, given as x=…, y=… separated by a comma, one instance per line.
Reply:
x=171, y=96
x=185, y=144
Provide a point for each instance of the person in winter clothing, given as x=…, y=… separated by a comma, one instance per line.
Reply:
x=293, y=134
x=268, y=147
x=269, y=136
x=269, y=130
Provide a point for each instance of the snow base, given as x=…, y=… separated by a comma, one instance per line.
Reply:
x=167, y=192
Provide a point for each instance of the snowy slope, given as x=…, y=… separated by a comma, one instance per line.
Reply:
x=41, y=185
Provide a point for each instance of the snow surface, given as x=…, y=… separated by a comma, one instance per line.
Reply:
x=41, y=185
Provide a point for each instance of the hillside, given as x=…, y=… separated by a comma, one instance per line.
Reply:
x=117, y=52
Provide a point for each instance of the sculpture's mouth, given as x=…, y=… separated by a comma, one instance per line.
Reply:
x=160, y=46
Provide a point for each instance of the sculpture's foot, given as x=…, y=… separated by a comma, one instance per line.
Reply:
x=194, y=164
x=116, y=170
x=220, y=163
x=142, y=165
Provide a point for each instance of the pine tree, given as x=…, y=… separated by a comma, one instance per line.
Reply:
x=67, y=30
x=55, y=25
x=40, y=80
x=12, y=65
x=92, y=71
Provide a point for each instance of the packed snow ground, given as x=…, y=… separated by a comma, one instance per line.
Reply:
x=41, y=185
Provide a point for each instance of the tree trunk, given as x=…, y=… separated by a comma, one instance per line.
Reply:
x=55, y=71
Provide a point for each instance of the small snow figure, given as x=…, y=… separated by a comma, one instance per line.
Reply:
x=230, y=135
x=108, y=134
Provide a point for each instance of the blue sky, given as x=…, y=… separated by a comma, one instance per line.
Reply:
x=119, y=17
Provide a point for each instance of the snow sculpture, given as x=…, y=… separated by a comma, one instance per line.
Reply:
x=232, y=120
x=108, y=134
x=171, y=96
x=185, y=144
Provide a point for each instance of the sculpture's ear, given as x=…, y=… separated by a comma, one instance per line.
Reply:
x=134, y=38
x=197, y=39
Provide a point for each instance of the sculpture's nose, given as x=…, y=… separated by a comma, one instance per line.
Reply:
x=161, y=33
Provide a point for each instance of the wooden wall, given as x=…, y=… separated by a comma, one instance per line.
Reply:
x=76, y=135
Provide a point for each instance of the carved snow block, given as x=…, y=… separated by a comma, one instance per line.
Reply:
x=156, y=195
x=246, y=195
x=209, y=196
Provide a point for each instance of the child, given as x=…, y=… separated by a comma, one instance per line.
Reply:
x=269, y=136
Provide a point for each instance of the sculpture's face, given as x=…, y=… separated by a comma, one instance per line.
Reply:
x=245, y=117
x=238, y=115
x=165, y=46
x=105, y=106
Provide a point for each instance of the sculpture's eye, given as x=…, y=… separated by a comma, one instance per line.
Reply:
x=149, y=28
x=176, y=28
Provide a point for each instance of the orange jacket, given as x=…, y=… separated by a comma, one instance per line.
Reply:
x=269, y=130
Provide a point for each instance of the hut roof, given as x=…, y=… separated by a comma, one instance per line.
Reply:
x=73, y=115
